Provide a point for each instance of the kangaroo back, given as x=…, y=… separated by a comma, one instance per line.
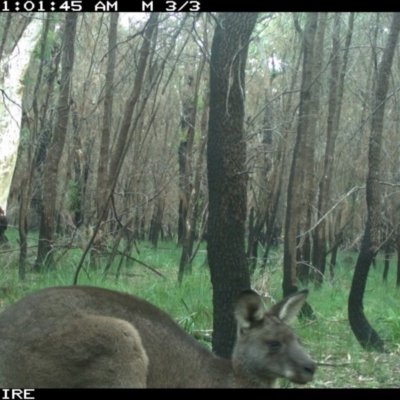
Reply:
x=92, y=337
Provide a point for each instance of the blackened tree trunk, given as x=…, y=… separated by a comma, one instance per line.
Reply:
x=49, y=194
x=363, y=331
x=227, y=177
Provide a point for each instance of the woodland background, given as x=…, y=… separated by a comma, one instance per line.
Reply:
x=116, y=135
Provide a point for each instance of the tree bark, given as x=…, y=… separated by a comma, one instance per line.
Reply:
x=227, y=177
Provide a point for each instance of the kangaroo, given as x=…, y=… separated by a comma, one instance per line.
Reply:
x=87, y=337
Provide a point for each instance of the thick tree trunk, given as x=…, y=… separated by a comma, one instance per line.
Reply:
x=227, y=177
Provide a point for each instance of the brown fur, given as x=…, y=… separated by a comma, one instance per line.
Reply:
x=91, y=337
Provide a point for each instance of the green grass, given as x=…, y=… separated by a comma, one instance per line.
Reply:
x=328, y=338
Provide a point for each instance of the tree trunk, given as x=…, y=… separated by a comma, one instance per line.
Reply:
x=365, y=334
x=49, y=195
x=334, y=251
x=294, y=205
x=387, y=258
x=6, y=30
x=227, y=177
x=191, y=190
x=3, y=227
x=308, y=154
x=12, y=74
x=43, y=112
x=156, y=221
x=273, y=229
x=102, y=170
x=334, y=108
x=191, y=218
x=26, y=182
x=182, y=210
x=267, y=176
x=398, y=260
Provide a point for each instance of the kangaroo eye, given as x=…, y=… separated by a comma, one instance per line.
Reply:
x=274, y=345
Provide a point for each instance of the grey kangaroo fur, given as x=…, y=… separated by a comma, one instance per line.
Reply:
x=86, y=337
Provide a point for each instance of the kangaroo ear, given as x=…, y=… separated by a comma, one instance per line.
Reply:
x=249, y=309
x=288, y=308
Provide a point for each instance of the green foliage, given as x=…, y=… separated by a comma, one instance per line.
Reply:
x=391, y=324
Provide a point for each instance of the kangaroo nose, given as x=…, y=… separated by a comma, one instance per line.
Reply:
x=310, y=368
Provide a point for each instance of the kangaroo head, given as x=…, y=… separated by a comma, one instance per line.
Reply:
x=267, y=348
